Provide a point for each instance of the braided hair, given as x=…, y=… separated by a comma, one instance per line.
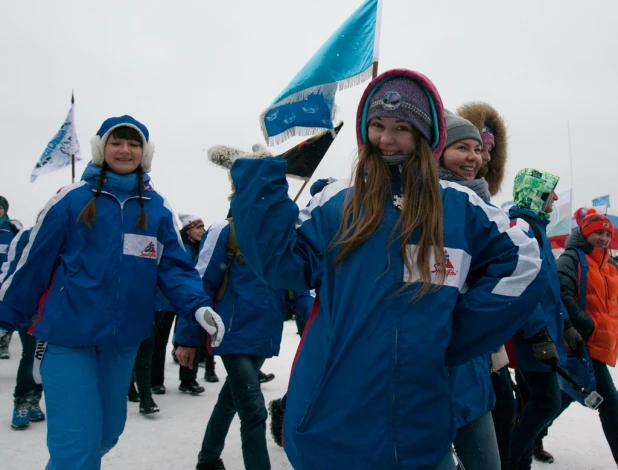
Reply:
x=89, y=212
x=142, y=220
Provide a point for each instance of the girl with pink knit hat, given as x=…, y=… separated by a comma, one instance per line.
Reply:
x=388, y=256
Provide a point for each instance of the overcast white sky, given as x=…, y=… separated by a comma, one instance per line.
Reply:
x=198, y=74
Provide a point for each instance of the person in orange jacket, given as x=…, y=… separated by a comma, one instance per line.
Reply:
x=598, y=321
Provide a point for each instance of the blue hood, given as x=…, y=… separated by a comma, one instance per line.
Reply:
x=540, y=221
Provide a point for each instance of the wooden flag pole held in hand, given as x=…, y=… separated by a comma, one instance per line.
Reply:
x=301, y=190
x=72, y=153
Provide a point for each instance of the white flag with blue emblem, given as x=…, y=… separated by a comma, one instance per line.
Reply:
x=60, y=150
x=307, y=105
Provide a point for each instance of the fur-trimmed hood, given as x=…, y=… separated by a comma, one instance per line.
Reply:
x=481, y=115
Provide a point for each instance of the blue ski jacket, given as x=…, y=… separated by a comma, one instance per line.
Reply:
x=252, y=312
x=550, y=313
x=396, y=410
x=13, y=253
x=100, y=283
x=161, y=303
x=473, y=392
x=6, y=236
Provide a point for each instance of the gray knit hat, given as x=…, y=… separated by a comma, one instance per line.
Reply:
x=458, y=129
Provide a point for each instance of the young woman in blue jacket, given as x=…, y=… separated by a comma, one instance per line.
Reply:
x=390, y=254
x=94, y=259
x=8, y=230
x=475, y=441
x=192, y=232
x=27, y=394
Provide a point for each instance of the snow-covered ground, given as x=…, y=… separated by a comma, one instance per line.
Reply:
x=171, y=439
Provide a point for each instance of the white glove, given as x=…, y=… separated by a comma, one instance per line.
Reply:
x=212, y=323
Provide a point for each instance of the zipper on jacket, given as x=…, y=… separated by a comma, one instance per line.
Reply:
x=121, y=255
x=121, y=246
x=604, y=278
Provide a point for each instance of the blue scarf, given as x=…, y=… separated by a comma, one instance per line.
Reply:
x=121, y=186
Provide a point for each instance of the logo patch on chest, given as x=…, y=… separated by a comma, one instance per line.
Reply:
x=448, y=267
x=455, y=267
x=141, y=246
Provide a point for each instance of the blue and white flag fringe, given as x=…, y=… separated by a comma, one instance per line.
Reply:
x=60, y=150
x=307, y=105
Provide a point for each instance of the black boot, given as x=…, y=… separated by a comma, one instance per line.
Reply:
x=191, y=386
x=141, y=372
x=210, y=465
x=265, y=377
x=541, y=454
x=133, y=395
x=276, y=421
x=210, y=375
x=147, y=406
x=158, y=389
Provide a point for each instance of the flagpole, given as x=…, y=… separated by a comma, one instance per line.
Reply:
x=72, y=154
x=376, y=41
x=571, y=161
x=301, y=190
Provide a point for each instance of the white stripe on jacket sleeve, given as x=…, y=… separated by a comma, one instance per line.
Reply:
x=10, y=256
x=167, y=205
x=35, y=231
x=322, y=198
x=209, y=246
x=529, y=255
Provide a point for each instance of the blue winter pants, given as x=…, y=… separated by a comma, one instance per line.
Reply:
x=476, y=444
x=86, y=402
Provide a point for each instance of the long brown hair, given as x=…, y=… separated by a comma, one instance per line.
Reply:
x=363, y=212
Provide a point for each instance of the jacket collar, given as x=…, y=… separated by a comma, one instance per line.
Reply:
x=115, y=183
x=515, y=211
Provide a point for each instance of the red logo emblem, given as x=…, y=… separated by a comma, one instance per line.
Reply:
x=149, y=251
x=448, y=267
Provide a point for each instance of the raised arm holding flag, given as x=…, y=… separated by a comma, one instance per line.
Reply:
x=302, y=159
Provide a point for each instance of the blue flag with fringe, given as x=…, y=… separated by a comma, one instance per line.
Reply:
x=307, y=105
